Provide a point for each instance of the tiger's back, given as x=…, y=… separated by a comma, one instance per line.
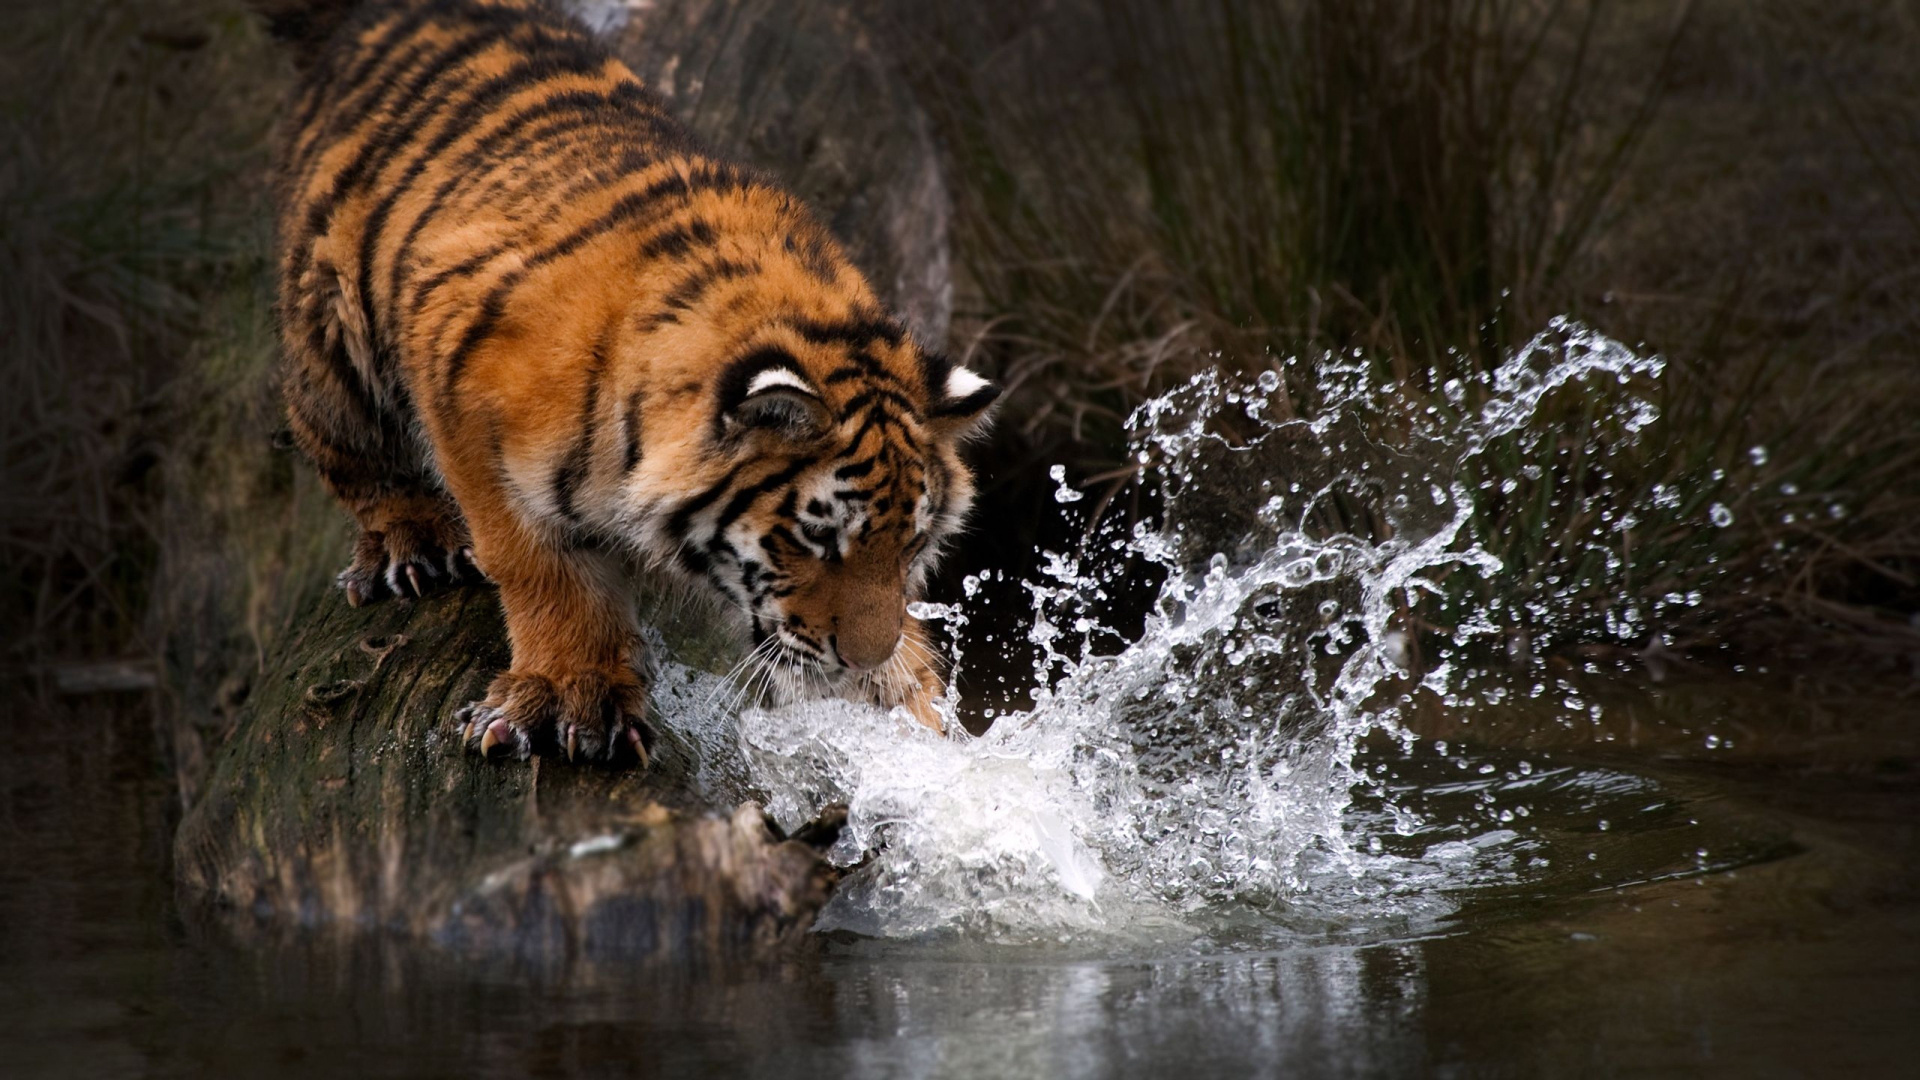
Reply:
x=530, y=324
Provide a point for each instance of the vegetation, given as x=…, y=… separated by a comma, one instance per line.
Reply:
x=1147, y=189
x=125, y=216
x=145, y=513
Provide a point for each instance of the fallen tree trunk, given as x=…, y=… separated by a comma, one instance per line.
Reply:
x=342, y=798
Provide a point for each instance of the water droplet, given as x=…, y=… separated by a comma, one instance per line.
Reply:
x=1064, y=493
x=1720, y=515
x=1757, y=455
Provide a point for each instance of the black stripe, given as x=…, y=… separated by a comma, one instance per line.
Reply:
x=778, y=535
x=677, y=241
x=816, y=257
x=873, y=395
x=683, y=514
x=936, y=487
x=634, y=401
x=851, y=334
x=682, y=517
x=466, y=267
x=419, y=65
x=746, y=496
x=566, y=479
x=556, y=205
x=685, y=295
x=496, y=25
x=479, y=329
x=847, y=374
x=337, y=364
x=871, y=422
x=934, y=370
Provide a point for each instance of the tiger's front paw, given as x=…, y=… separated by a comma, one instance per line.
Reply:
x=408, y=559
x=590, y=715
x=920, y=704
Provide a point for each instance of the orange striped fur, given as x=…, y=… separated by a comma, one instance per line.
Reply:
x=530, y=325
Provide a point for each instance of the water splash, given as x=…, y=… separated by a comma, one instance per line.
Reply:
x=1209, y=761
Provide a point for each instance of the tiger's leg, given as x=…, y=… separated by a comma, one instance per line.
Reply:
x=412, y=536
x=575, y=682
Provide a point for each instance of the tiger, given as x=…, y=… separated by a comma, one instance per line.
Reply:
x=533, y=332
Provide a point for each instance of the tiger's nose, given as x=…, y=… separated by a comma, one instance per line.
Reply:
x=866, y=642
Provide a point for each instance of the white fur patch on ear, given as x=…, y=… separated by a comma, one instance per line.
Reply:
x=779, y=376
x=962, y=383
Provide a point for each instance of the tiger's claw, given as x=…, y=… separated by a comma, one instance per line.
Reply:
x=407, y=559
x=589, y=716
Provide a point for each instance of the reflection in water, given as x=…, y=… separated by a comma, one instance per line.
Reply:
x=1315, y=1011
x=1803, y=964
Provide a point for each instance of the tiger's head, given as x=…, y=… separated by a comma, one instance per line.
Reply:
x=834, y=478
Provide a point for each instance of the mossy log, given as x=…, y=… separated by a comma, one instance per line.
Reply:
x=341, y=798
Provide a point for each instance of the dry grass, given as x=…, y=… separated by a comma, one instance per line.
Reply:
x=128, y=203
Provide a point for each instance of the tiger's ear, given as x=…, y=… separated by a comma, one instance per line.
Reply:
x=959, y=398
x=776, y=399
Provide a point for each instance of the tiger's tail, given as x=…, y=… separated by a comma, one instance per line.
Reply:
x=304, y=25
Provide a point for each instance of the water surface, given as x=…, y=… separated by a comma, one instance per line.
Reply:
x=1794, y=949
